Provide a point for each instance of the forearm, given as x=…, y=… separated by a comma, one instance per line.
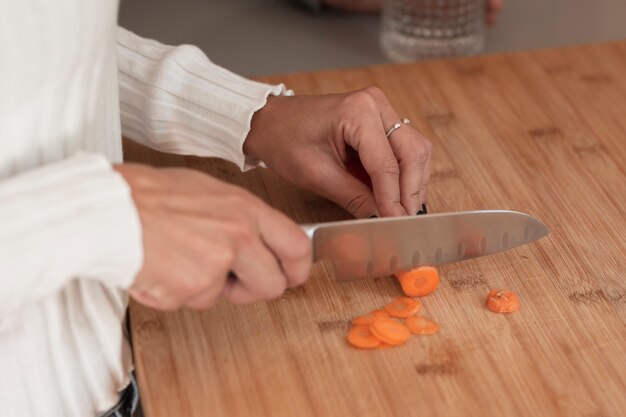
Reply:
x=176, y=100
x=67, y=220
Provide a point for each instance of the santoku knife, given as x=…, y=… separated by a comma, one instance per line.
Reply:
x=373, y=247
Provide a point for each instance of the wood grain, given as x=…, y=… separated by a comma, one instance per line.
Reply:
x=542, y=132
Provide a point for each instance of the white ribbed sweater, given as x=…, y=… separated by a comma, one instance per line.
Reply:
x=70, y=236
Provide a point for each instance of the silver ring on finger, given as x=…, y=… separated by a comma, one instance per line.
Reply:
x=397, y=126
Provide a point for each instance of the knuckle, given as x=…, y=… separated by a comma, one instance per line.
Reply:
x=414, y=194
x=422, y=153
x=375, y=92
x=361, y=100
x=241, y=232
x=389, y=166
x=221, y=259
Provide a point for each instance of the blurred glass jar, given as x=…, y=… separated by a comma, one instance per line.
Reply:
x=423, y=29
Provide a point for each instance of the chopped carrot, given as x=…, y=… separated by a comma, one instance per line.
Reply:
x=502, y=301
x=390, y=331
x=419, y=281
x=369, y=318
x=403, y=307
x=383, y=345
x=361, y=337
x=421, y=325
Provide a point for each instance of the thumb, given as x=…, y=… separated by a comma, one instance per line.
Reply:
x=349, y=192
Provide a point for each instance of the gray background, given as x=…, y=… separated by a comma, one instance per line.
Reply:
x=258, y=37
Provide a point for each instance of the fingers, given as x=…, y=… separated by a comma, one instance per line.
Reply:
x=258, y=276
x=367, y=137
x=412, y=152
x=193, y=276
x=413, y=155
x=348, y=189
x=287, y=243
x=426, y=179
x=196, y=229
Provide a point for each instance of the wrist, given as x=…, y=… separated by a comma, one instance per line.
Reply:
x=264, y=123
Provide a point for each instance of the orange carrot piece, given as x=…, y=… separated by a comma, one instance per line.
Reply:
x=384, y=340
x=419, y=281
x=403, y=307
x=421, y=325
x=390, y=331
x=383, y=345
x=369, y=318
x=361, y=337
x=502, y=301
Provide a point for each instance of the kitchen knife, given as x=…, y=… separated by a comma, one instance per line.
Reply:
x=373, y=247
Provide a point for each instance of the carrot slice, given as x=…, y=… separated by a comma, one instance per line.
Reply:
x=361, y=337
x=502, y=301
x=384, y=340
x=403, y=307
x=419, y=281
x=369, y=318
x=421, y=325
x=390, y=331
x=383, y=345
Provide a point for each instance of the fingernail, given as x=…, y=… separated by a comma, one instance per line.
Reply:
x=424, y=208
x=373, y=216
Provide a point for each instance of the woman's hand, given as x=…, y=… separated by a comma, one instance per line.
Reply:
x=197, y=229
x=320, y=142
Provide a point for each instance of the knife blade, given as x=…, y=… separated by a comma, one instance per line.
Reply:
x=367, y=248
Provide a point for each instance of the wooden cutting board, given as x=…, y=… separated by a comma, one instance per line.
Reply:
x=542, y=132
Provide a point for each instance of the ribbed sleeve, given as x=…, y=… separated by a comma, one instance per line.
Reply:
x=74, y=218
x=174, y=99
